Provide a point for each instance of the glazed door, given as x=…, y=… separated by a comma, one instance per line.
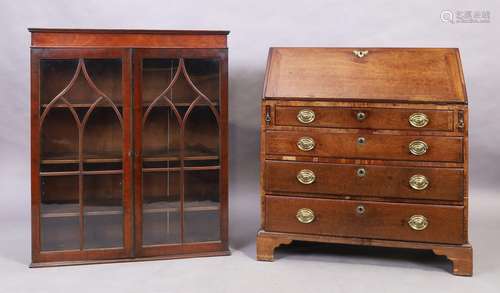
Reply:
x=180, y=143
x=80, y=154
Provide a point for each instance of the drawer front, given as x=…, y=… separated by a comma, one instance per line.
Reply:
x=365, y=118
x=365, y=180
x=365, y=146
x=365, y=219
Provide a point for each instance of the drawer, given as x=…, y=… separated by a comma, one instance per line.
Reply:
x=365, y=118
x=365, y=180
x=365, y=146
x=365, y=219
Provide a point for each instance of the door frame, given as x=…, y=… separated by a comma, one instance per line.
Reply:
x=181, y=249
x=38, y=256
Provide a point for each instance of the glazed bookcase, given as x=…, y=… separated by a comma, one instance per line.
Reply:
x=129, y=145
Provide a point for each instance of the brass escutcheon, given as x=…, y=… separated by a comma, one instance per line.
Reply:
x=361, y=116
x=306, y=176
x=419, y=182
x=417, y=147
x=361, y=172
x=305, y=216
x=360, y=54
x=418, y=120
x=418, y=222
x=306, y=116
x=306, y=143
x=360, y=209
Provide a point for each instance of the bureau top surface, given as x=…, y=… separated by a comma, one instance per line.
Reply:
x=127, y=38
x=431, y=75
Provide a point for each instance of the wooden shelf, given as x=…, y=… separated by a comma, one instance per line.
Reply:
x=163, y=207
x=73, y=210
x=178, y=101
x=76, y=173
x=177, y=158
x=192, y=156
x=190, y=168
x=69, y=160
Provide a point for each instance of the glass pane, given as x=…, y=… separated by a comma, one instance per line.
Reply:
x=201, y=206
x=201, y=136
x=55, y=75
x=71, y=102
x=157, y=74
x=106, y=75
x=204, y=73
x=103, y=211
x=60, y=222
x=59, y=137
x=161, y=218
x=161, y=135
x=103, y=139
x=161, y=151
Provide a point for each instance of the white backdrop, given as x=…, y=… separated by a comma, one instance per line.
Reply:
x=255, y=26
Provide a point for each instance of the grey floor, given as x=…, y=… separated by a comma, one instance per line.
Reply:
x=298, y=268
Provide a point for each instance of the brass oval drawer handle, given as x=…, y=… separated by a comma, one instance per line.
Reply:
x=306, y=143
x=306, y=116
x=305, y=216
x=306, y=176
x=418, y=147
x=418, y=222
x=360, y=54
x=418, y=182
x=361, y=116
x=418, y=120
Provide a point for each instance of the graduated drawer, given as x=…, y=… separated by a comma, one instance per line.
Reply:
x=365, y=219
x=365, y=180
x=365, y=118
x=364, y=146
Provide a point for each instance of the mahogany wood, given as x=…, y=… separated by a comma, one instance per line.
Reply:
x=387, y=85
x=85, y=167
x=375, y=146
x=376, y=220
x=51, y=38
x=460, y=255
x=381, y=181
x=376, y=118
x=384, y=74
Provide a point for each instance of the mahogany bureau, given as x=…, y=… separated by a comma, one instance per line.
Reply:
x=365, y=146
